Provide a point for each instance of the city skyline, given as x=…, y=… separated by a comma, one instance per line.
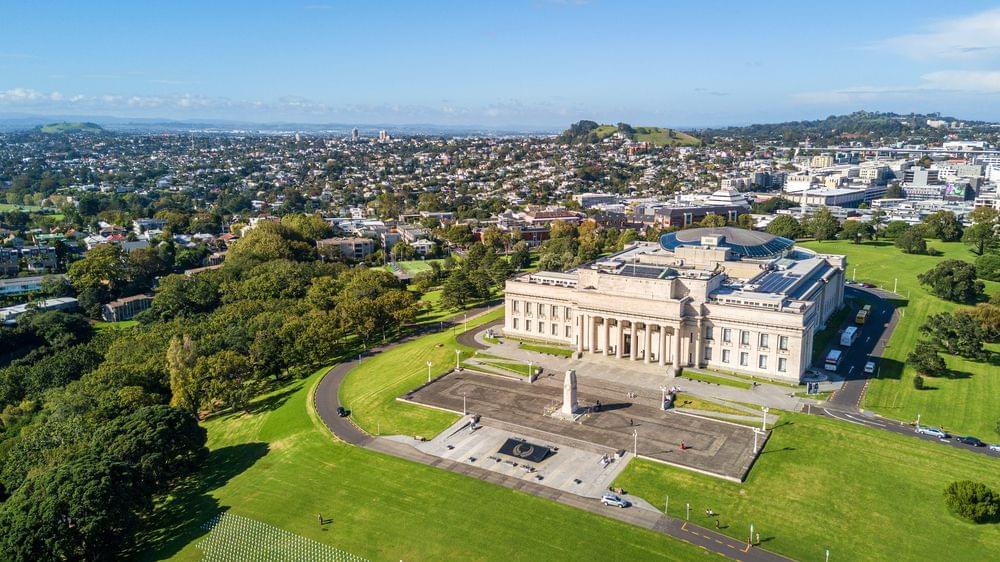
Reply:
x=529, y=64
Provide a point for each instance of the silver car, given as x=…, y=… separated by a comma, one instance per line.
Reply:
x=995, y=448
x=932, y=431
x=614, y=500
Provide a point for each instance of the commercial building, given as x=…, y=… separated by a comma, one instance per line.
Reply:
x=727, y=203
x=724, y=298
x=350, y=248
x=125, y=308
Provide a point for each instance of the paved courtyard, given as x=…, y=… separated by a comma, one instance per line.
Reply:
x=712, y=447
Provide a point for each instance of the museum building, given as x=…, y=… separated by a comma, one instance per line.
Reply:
x=722, y=298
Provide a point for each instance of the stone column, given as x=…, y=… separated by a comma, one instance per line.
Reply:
x=579, y=333
x=699, y=340
x=607, y=337
x=569, y=406
x=593, y=334
x=620, y=351
x=649, y=344
x=634, y=342
x=677, y=347
x=663, y=346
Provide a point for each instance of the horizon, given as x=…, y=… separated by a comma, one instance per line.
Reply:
x=534, y=64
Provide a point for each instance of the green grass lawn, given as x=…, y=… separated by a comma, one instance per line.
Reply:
x=691, y=401
x=966, y=402
x=865, y=494
x=436, y=313
x=705, y=377
x=547, y=349
x=510, y=366
x=371, y=389
x=101, y=325
x=281, y=466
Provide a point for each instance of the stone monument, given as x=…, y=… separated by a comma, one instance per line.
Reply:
x=569, y=407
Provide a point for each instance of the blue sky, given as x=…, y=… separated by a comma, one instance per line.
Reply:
x=502, y=63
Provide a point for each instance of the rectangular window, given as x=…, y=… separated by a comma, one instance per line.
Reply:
x=708, y=333
x=727, y=335
x=527, y=325
x=764, y=340
x=568, y=331
x=555, y=330
x=513, y=306
x=744, y=338
x=782, y=364
x=541, y=309
x=541, y=327
x=783, y=343
x=515, y=323
x=708, y=354
x=554, y=311
x=725, y=356
x=762, y=362
x=744, y=358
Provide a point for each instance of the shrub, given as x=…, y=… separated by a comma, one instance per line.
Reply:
x=918, y=382
x=974, y=501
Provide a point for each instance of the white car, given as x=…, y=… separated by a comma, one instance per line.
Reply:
x=614, y=500
x=870, y=367
x=995, y=448
x=932, y=431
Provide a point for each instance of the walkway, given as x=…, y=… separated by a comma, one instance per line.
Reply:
x=327, y=401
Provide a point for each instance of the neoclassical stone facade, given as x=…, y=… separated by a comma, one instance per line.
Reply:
x=721, y=298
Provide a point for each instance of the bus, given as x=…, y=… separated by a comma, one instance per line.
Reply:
x=849, y=336
x=832, y=361
x=863, y=314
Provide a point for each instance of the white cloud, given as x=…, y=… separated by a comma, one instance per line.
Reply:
x=974, y=37
x=973, y=81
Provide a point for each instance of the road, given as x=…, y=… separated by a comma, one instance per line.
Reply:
x=327, y=400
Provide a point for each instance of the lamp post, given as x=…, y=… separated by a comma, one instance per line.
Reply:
x=458, y=358
x=895, y=282
x=687, y=512
x=465, y=410
x=750, y=540
x=756, y=432
x=854, y=276
x=466, y=322
x=764, y=419
x=635, y=441
x=530, y=366
x=666, y=507
x=429, y=371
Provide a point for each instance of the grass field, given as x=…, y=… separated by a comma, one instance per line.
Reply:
x=101, y=325
x=966, y=402
x=865, y=494
x=658, y=136
x=280, y=466
x=7, y=207
x=416, y=266
x=370, y=390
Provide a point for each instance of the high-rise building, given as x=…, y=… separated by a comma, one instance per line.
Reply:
x=354, y=134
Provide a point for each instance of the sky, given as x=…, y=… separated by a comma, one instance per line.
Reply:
x=510, y=63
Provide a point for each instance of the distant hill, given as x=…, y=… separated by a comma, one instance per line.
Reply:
x=860, y=124
x=55, y=128
x=592, y=132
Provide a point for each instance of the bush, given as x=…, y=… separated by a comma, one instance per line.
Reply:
x=918, y=382
x=974, y=501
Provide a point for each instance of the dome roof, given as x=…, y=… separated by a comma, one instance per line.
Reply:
x=747, y=243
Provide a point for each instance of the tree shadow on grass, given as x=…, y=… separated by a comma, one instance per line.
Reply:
x=178, y=518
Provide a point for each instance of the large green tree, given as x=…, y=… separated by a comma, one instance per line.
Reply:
x=823, y=225
x=944, y=226
x=953, y=280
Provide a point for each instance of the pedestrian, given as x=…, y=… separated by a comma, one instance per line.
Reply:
x=716, y=523
x=758, y=539
x=320, y=517
x=630, y=422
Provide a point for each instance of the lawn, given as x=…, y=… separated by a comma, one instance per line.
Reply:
x=865, y=494
x=509, y=366
x=370, y=390
x=966, y=402
x=436, y=313
x=547, y=349
x=101, y=325
x=279, y=465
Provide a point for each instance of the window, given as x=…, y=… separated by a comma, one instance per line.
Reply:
x=762, y=361
x=515, y=323
x=514, y=306
x=725, y=356
x=527, y=325
x=744, y=337
x=541, y=309
x=554, y=311
x=566, y=315
x=708, y=354
x=555, y=330
x=568, y=332
x=541, y=327
x=782, y=364
x=727, y=335
x=763, y=340
x=708, y=333
x=783, y=343
x=688, y=218
x=744, y=358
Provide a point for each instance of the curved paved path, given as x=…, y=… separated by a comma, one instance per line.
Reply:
x=327, y=400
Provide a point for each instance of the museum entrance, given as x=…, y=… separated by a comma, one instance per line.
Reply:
x=628, y=345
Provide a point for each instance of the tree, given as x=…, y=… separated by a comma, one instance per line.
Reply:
x=987, y=265
x=103, y=266
x=984, y=215
x=987, y=316
x=785, y=226
x=893, y=191
x=159, y=442
x=926, y=361
x=185, y=391
x=459, y=234
x=144, y=265
x=918, y=382
x=81, y=510
x=312, y=227
x=269, y=241
x=562, y=229
x=745, y=221
x=520, y=256
x=58, y=329
x=974, y=501
x=894, y=229
x=856, y=231
x=982, y=237
x=944, y=226
x=953, y=280
x=227, y=379
x=911, y=241
x=493, y=237
x=958, y=334
x=823, y=225
x=713, y=221
x=457, y=290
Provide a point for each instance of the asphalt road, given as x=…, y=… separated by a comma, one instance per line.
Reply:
x=327, y=400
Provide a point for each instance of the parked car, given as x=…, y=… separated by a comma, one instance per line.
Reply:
x=341, y=412
x=995, y=448
x=932, y=431
x=614, y=500
x=970, y=440
x=870, y=367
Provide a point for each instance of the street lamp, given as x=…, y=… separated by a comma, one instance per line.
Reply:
x=530, y=366
x=756, y=432
x=429, y=371
x=764, y=420
x=687, y=512
x=458, y=357
x=635, y=441
x=465, y=410
x=466, y=322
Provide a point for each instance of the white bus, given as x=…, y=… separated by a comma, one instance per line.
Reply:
x=832, y=362
x=849, y=336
